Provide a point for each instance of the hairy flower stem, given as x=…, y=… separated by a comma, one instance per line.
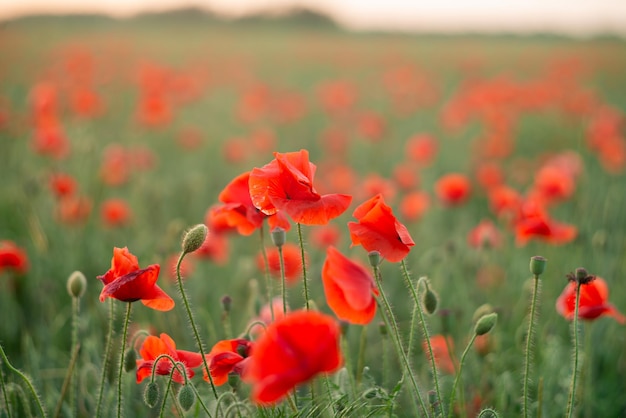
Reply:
x=119, y=374
x=107, y=355
x=4, y=393
x=26, y=380
x=360, y=364
x=571, y=403
x=304, y=278
x=268, y=282
x=422, y=320
x=458, y=376
x=72, y=375
x=283, y=280
x=66, y=381
x=529, y=337
x=192, y=322
x=393, y=325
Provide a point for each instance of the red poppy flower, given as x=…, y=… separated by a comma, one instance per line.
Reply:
x=12, y=258
x=422, y=148
x=115, y=212
x=443, y=358
x=504, y=201
x=489, y=175
x=325, y=236
x=414, y=205
x=292, y=351
x=126, y=282
x=237, y=210
x=378, y=229
x=153, y=347
x=349, y=288
x=225, y=357
x=553, y=184
x=286, y=184
x=292, y=259
x=593, y=301
x=453, y=189
x=73, y=209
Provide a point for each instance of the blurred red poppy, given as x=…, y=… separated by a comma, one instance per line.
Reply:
x=443, y=358
x=414, y=205
x=73, y=209
x=62, y=184
x=485, y=234
x=534, y=222
x=378, y=229
x=115, y=212
x=292, y=351
x=422, y=149
x=349, y=288
x=215, y=248
x=227, y=356
x=325, y=236
x=593, y=301
x=286, y=184
x=453, y=189
x=12, y=258
x=126, y=282
x=153, y=347
x=292, y=259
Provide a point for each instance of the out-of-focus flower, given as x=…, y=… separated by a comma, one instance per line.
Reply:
x=292, y=259
x=227, y=356
x=593, y=301
x=485, y=234
x=349, y=288
x=12, y=258
x=443, y=358
x=453, y=189
x=62, y=185
x=293, y=350
x=115, y=212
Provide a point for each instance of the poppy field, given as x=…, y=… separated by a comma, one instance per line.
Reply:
x=227, y=220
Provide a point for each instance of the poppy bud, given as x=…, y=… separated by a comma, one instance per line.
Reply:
x=130, y=360
x=486, y=323
x=488, y=413
x=537, y=265
x=430, y=299
x=279, y=236
x=76, y=284
x=234, y=381
x=194, y=238
x=374, y=257
x=151, y=394
x=186, y=397
x=227, y=301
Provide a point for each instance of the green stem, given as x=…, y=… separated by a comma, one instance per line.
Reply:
x=268, y=281
x=107, y=355
x=25, y=379
x=4, y=393
x=425, y=332
x=73, y=377
x=458, y=375
x=529, y=337
x=361, y=359
x=304, y=278
x=119, y=374
x=572, y=393
x=392, y=324
x=192, y=322
x=167, y=391
x=283, y=280
x=66, y=381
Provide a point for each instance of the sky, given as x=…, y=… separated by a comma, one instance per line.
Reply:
x=575, y=17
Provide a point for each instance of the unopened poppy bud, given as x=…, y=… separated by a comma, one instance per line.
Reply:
x=194, y=238
x=151, y=394
x=382, y=328
x=537, y=265
x=374, y=257
x=430, y=299
x=488, y=413
x=76, y=284
x=130, y=360
x=227, y=302
x=481, y=311
x=279, y=236
x=186, y=397
x=486, y=323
